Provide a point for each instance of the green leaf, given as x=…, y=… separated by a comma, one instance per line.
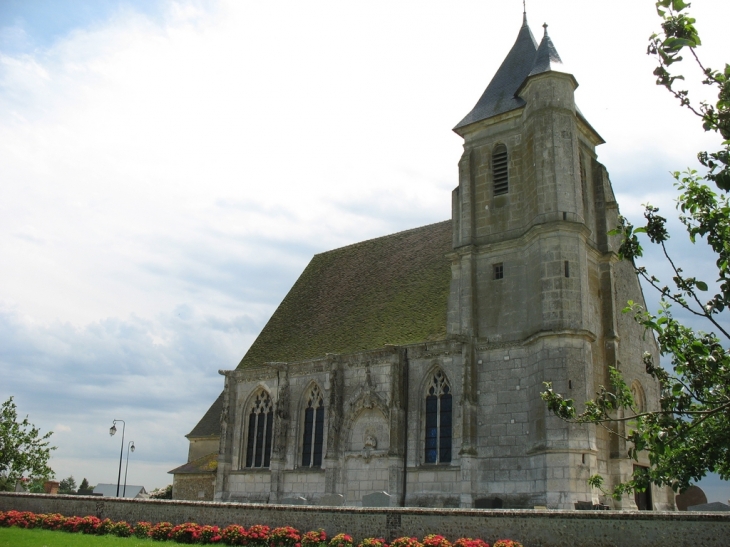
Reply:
x=701, y=285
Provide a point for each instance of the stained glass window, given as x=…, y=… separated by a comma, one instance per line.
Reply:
x=438, y=420
x=260, y=425
x=313, y=429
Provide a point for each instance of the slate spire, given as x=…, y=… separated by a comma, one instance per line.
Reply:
x=547, y=58
x=499, y=97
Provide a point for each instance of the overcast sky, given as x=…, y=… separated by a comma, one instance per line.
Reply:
x=169, y=168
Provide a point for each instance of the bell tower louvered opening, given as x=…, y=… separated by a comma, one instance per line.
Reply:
x=500, y=170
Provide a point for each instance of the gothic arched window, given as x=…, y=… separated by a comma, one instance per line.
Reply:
x=313, y=428
x=260, y=424
x=438, y=420
x=500, y=170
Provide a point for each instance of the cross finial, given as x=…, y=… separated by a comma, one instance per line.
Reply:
x=545, y=26
x=524, y=13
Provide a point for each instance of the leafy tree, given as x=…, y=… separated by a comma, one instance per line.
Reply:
x=84, y=488
x=67, y=486
x=37, y=486
x=23, y=451
x=162, y=493
x=689, y=435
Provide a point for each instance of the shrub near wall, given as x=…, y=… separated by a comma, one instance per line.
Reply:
x=544, y=528
x=190, y=532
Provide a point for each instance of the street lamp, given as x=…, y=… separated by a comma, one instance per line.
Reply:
x=112, y=431
x=129, y=446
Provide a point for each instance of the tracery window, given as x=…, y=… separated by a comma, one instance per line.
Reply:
x=500, y=170
x=260, y=425
x=639, y=396
x=438, y=420
x=313, y=429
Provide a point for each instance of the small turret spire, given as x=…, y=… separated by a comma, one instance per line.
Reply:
x=499, y=97
x=547, y=58
x=524, y=13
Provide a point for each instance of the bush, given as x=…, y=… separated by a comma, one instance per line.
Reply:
x=89, y=525
x=285, y=536
x=234, y=535
x=21, y=519
x=314, y=538
x=210, y=534
x=73, y=524
x=469, y=542
x=53, y=521
x=255, y=536
x=372, y=542
x=185, y=533
x=258, y=536
x=142, y=529
x=161, y=531
x=434, y=540
x=406, y=542
x=121, y=529
x=103, y=527
x=341, y=540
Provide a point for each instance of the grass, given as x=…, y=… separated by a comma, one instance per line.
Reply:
x=20, y=537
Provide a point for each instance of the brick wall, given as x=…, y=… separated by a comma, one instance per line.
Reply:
x=532, y=528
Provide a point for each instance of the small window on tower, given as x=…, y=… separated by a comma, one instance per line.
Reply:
x=500, y=170
x=498, y=271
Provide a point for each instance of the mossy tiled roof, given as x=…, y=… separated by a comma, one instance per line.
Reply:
x=389, y=290
x=205, y=464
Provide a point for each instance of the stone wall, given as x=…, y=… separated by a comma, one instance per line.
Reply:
x=193, y=486
x=532, y=528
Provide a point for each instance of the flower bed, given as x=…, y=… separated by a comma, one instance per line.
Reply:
x=255, y=536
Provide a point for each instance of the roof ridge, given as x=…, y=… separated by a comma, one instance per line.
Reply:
x=366, y=241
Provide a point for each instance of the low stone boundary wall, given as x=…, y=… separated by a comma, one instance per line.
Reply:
x=532, y=528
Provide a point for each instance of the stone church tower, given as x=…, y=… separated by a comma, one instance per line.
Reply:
x=413, y=363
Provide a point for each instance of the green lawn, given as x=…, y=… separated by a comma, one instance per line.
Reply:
x=20, y=537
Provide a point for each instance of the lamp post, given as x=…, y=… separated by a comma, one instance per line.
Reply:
x=130, y=445
x=112, y=431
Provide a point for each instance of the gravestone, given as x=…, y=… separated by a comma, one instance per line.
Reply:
x=297, y=500
x=376, y=499
x=692, y=496
x=715, y=506
x=332, y=500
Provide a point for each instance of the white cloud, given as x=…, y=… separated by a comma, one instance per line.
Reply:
x=165, y=181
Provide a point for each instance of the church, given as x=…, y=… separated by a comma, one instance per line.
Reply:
x=413, y=363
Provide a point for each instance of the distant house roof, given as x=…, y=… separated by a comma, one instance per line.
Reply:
x=389, y=290
x=205, y=464
x=110, y=491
